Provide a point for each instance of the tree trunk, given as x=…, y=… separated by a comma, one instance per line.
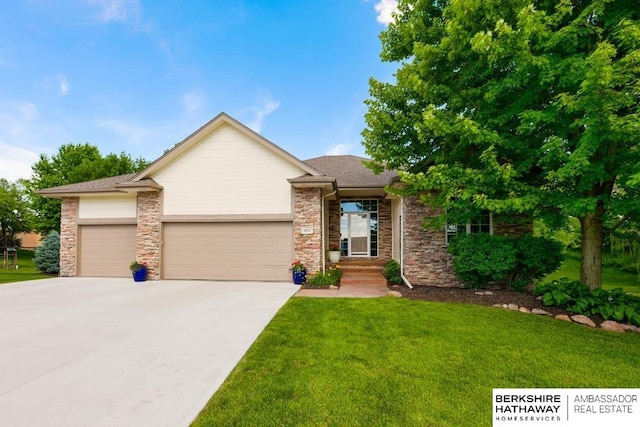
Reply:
x=592, y=234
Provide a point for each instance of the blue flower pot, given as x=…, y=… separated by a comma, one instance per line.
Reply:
x=140, y=275
x=299, y=277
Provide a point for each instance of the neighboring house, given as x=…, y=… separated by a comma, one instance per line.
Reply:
x=227, y=204
x=29, y=240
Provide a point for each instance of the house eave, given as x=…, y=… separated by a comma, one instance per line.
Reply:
x=363, y=191
x=61, y=195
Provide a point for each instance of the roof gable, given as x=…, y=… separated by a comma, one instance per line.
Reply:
x=206, y=131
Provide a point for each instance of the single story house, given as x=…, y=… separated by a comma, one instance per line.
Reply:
x=227, y=204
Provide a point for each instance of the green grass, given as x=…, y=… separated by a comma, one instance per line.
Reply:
x=408, y=363
x=611, y=277
x=26, y=269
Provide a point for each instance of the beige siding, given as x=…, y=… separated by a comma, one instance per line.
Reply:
x=107, y=207
x=106, y=250
x=228, y=251
x=227, y=173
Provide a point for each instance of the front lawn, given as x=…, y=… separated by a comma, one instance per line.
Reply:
x=26, y=269
x=402, y=362
x=611, y=277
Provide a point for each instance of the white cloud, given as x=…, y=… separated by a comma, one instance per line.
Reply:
x=339, y=149
x=266, y=105
x=192, y=101
x=19, y=124
x=116, y=10
x=386, y=9
x=131, y=132
x=63, y=86
x=15, y=162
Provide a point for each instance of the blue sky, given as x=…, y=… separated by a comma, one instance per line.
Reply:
x=139, y=76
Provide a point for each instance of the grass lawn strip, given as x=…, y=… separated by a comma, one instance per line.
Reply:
x=26, y=269
x=400, y=362
x=611, y=277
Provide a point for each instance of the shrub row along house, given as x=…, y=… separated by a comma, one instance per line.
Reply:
x=227, y=204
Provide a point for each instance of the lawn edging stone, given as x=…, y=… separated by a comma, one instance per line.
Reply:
x=607, y=325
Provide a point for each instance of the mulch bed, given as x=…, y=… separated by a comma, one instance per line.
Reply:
x=469, y=296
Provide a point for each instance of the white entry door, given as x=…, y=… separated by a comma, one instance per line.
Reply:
x=358, y=229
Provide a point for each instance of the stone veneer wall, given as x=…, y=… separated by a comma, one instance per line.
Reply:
x=334, y=223
x=426, y=261
x=148, y=232
x=385, y=242
x=307, y=213
x=69, y=236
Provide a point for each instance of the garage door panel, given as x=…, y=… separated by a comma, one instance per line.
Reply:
x=228, y=251
x=106, y=250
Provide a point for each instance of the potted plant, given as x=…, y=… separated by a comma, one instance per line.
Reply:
x=334, y=254
x=139, y=271
x=299, y=272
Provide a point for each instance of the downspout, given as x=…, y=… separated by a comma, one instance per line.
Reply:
x=404, y=279
x=322, y=222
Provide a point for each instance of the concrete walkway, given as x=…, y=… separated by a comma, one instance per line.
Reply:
x=358, y=281
x=112, y=352
x=346, y=291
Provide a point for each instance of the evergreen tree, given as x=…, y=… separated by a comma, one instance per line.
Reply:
x=47, y=256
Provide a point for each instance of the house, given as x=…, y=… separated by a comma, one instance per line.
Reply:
x=29, y=240
x=227, y=204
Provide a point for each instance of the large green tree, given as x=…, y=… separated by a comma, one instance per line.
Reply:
x=72, y=163
x=518, y=107
x=15, y=216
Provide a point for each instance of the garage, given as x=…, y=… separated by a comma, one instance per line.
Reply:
x=106, y=250
x=228, y=250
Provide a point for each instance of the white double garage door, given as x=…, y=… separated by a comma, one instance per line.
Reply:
x=208, y=251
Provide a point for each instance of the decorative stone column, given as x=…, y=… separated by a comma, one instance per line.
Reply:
x=426, y=260
x=148, y=234
x=385, y=236
x=307, y=228
x=69, y=236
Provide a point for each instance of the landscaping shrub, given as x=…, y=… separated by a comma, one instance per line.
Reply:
x=336, y=273
x=47, y=257
x=392, y=272
x=536, y=257
x=481, y=258
x=575, y=297
x=329, y=278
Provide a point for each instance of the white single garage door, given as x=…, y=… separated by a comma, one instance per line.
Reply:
x=228, y=251
x=106, y=250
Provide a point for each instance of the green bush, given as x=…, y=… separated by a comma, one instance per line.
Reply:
x=536, y=257
x=329, y=278
x=392, y=272
x=47, y=257
x=481, y=258
x=577, y=298
x=336, y=273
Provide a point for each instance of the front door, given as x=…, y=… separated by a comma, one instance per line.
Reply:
x=357, y=230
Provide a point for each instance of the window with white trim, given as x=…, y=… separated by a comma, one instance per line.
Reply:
x=483, y=223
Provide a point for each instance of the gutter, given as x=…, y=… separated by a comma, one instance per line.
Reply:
x=404, y=279
x=322, y=222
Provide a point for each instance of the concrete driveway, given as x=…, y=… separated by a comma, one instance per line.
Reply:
x=112, y=352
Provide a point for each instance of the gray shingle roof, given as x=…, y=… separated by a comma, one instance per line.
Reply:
x=350, y=171
x=103, y=185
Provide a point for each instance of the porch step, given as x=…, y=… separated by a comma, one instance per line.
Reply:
x=362, y=275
